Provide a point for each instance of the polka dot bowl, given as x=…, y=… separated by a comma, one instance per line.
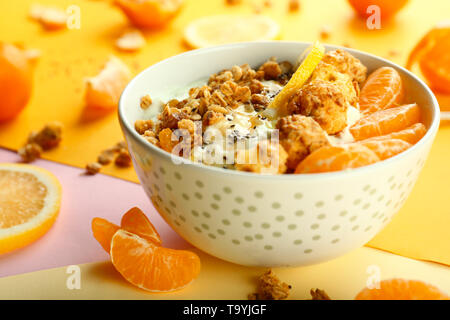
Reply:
x=263, y=220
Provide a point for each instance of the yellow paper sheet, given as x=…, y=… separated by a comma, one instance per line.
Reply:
x=420, y=230
x=341, y=278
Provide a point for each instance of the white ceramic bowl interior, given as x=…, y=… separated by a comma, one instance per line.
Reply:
x=261, y=220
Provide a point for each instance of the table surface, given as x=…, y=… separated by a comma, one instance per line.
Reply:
x=419, y=230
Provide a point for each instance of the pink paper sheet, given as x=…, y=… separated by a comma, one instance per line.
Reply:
x=70, y=240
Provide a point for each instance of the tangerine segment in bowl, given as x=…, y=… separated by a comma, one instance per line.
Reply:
x=30, y=199
x=400, y=289
x=135, y=221
x=411, y=134
x=383, y=89
x=103, y=231
x=336, y=158
x=386, y=121
x=386, y=148
x=149, y=13
x=151, y=267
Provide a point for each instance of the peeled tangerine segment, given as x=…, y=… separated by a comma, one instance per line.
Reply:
x=103, y=91
x=411, y=134
x=386, y=121
x=383, y=89
x=337, y=158
x=30, y=199
x=386, y=148
x=103, y=231
x=151, y=267
x=135, y=221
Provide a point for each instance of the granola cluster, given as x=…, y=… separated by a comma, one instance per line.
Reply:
x=270, y=288
x=314, y=113
x=45, y=139
x=118, y=153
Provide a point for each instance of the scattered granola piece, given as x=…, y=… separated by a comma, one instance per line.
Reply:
x=123, y=159
x=146, y=101
x=93, y=168
x=393, y=53
x=270, y=288
x=105, y=157
x=51, y=18
x=131, y=41
x=294, y=5
x=48, y=137
x=30, y=152
x=272, y=70
x=318, y=294
x=344, y=62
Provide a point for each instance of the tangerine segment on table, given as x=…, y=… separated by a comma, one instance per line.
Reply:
x=386, y=121
x=135, y=221
x=149, y=13
x=388, y=8
x=411, y=134
x=383, y=89
x=16, y=71
x=336, y=158
x=103, y=231
x=30, y=199
x=400, y=289
x=432, y=54
x=151, y=267
x=386, y=148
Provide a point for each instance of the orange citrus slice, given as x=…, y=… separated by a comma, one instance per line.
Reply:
x=386, y=121
x=299, y=78
x=16, y=75
x=400, y=289
x=103, y=91
x=337, y=158
x=215, y=30
x=149, y=13
x=151, y=267
x=383, y=89
x=30, y=199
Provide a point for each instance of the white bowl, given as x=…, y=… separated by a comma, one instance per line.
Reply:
x=263, y=220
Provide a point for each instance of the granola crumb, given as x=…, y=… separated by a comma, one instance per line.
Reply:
x=143, y=125
x=123, y=159
x=270, y=288
x=146, y=101
x=393, y=53
x=30, y=152
x=48, y=137
x=294, y=5
x=105, y=157
x=130, y=41
x=318, y=294
x=93, y=168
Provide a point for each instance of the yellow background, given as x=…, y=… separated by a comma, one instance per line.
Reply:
x=419, y=230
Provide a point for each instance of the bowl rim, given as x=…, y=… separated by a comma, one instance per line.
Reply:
x=432, y=129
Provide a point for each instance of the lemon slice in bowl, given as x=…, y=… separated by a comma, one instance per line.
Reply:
x=221, y=29
x=30, y=199
x=298, y=79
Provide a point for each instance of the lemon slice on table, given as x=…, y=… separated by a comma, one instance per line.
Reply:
x=221, y=29
x=298, y=79
x=30, y=199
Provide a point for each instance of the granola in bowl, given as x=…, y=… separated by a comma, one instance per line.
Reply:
x=233, y=120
